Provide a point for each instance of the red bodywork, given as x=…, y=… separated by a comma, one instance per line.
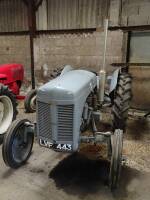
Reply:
x=12, y=75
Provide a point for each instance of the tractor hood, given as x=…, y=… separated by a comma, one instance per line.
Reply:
x=69, y=86
x=12, y=72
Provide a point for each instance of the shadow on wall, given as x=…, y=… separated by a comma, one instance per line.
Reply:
x=78, y=175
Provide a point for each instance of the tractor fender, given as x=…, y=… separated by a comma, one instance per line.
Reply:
x=114, y=80
x=66, y=69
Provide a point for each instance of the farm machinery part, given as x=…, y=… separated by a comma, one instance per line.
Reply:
x=30, y=99
x=63, y=111
x=65, y=107
x=11, y=77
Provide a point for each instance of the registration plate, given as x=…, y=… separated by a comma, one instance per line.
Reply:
x=58, y=147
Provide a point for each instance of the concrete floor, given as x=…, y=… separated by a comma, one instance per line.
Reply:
x=56, y=176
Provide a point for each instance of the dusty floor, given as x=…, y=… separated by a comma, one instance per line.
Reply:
x=56, y=176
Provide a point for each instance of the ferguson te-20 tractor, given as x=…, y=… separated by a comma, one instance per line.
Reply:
x=11, y=77
x=66, y=106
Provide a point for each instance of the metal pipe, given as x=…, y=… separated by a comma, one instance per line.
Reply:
x=102, y=73
x=105, y=43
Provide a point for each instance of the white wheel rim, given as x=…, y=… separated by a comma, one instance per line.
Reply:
x=33, y=103
x=6, y=113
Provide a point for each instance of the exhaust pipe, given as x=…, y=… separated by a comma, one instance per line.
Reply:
x=102, y=73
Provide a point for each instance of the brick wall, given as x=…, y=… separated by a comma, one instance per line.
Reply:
x=79, y=50
x=15, y=49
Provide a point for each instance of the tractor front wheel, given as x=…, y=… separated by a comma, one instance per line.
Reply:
x=8, y=110
x=116, y=142
x=18, y=143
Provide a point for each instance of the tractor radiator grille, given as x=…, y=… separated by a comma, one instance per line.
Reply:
x=65, y=122
x=44, y=120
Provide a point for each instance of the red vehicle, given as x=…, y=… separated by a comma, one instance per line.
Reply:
x=11, y=78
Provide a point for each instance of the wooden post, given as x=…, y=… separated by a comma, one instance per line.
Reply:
x=32, y=6
x=32, y=30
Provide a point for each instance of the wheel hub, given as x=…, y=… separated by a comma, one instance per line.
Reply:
x=20, y=148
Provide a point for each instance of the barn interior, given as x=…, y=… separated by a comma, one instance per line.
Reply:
x=37, y=37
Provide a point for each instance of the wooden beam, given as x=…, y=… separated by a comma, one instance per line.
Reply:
x=129, y=64
x=47, y=32
x=32, y=33
x=130, y=28
x=32, y=30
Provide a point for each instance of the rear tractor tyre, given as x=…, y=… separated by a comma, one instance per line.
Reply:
x=30, y=101
x=18, y=143
x=122, y=101
x=8, y=109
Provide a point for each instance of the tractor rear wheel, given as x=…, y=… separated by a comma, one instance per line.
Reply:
x=8, y=109
x=30, y=100
x=122, y=101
